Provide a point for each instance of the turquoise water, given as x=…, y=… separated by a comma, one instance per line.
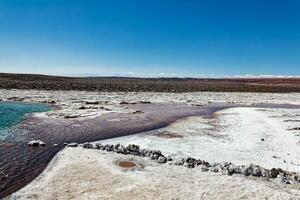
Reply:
x=13, y=113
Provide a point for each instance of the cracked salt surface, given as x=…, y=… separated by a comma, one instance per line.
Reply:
x=237, y=135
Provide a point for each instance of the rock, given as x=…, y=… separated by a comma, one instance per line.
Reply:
x=162, y=159
x=179, y=162
x=55, y=145
x=295, y=178
x=282, y=178
x=104, y=108
x=154, y=157
x=190, y=162
x=144, y=102
x=15, y=98
x=231, y=169
x=71, y=116
x=137, y=112
x=52, y=102
x=265, y=173
x=65, y=144
x=215, y=168
x=109, y=147
x=203, y=168
x=274, y=173
x=247, y=170
x=224, y=167
x=36, y=143
x=98, y=146
x=149, y=153
x=256, y=171
x=73, y=144
x=169, y=158
x=92, y=102
x=144, y=152
x=87, y=145
x=122, y=150
x=125, y=102
x=133, y=149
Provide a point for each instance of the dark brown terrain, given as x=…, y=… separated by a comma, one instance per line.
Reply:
x=126, y=84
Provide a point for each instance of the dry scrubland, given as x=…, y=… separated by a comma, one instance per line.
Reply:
x=121, y=84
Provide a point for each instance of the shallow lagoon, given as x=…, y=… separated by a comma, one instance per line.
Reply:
x=11, y=113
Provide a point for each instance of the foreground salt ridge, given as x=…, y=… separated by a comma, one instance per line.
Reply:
x=227, y=168
x=153, y=179
x=78, y=173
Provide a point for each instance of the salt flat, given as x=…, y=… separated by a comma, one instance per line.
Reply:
x=238, y=135
x=265, y=136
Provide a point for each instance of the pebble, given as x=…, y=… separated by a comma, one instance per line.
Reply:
x=35, y=143
x=72, y=145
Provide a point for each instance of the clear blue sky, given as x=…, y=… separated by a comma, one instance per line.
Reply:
x=150, y=37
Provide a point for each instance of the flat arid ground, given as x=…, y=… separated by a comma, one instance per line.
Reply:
x=219, y=128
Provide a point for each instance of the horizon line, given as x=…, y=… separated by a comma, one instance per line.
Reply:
x=211, y=76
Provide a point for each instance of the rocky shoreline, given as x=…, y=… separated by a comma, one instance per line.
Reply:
x=227, y=168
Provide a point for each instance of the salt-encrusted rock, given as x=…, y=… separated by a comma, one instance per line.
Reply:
x=144, y=152
x=133, y=148
x=203, y=168
x=71, y=116
x=162, y=159
x=16, y=98
x=247, y=170
x=36, y=143
x=74, y=144
x=179, y=161
x=232, y=169
x=256, y=171
x=265, y=173
x=87, y=145
x=295, y=178
x=274, y=172
x=92, y=102
x=109, y=147
x=125, y=102
x=190, y=162
x=215, y=168
x=52, y=102
x=283, y=178
x=144, y=102
x=224, y=167
x=98, y=146
x=169, y=158
x=154, y=156
x=137, y=112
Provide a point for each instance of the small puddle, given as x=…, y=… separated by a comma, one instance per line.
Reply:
x=127, y=164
